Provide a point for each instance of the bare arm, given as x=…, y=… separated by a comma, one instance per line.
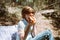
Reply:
x=31, y=21
x=27, y=31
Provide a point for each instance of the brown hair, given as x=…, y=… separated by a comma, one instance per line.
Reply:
x=27, y=10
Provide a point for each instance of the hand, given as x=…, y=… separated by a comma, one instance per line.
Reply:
x=32, y=20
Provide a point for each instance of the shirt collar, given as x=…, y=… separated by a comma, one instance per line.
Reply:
x=25, y=21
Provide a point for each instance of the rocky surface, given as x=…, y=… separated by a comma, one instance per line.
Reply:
x=43, y=23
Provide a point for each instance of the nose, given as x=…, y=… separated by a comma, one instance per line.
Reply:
x=31, y=14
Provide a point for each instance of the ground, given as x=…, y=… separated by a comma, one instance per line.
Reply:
x=42, y=23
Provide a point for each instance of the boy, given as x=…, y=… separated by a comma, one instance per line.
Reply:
x=26, y=25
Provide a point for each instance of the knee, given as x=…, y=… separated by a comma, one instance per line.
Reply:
x=49, y=32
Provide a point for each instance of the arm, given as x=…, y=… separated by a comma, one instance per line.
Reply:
x=21, y=30
x=33, y=32
x=26, y=32
x=31, y=21
x=23, y=34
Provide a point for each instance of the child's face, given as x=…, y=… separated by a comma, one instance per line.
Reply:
x=30, y=18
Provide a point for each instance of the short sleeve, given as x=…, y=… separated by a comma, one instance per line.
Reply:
x=21, y=27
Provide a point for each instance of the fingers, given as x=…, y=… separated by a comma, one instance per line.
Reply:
x=32, y=20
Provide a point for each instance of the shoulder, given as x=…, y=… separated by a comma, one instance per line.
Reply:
x=23, y=22
x=20, y=22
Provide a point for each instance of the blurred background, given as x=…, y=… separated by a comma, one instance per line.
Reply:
x=47, y=14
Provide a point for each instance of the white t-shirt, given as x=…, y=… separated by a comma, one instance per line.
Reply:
x=22, y=26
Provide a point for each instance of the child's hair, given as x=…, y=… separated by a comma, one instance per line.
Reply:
x=27, y=10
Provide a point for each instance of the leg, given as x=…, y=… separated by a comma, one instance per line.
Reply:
x=42, y=35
